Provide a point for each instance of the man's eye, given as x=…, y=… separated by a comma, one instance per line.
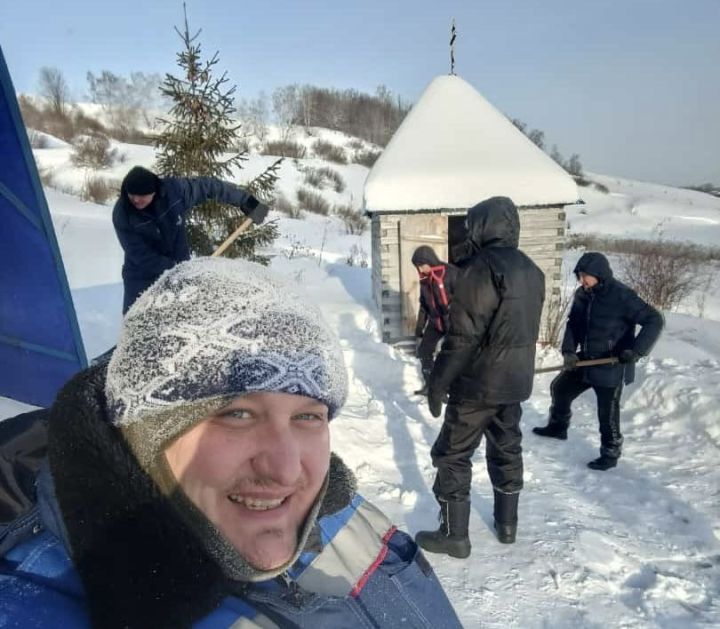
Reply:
x=236, y=413
x=310, y=417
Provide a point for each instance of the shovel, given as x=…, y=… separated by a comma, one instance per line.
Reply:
x=231, y=238
x=581, y=363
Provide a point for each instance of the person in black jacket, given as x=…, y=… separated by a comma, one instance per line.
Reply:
x=437, y=282
x=486, y=364
x=601, y=324
x=149, y=220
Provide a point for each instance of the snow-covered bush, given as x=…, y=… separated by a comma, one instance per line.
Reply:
x=357, y=257
x=99, y=189
x=282, y=204
x=323, y=177
x=365, y=158
x=312, y=202
x=284, y=148
x=94, y=152
x=354, y=221
x=330, y=152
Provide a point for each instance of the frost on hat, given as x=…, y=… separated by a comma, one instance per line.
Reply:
x=211, y=329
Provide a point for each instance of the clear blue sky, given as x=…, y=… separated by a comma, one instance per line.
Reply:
x=633, y=86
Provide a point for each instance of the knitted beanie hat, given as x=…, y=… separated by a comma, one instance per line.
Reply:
x=208, y=330
x=140, y=181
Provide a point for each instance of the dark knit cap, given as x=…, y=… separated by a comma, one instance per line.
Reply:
x=140, y=181
x=425, y=255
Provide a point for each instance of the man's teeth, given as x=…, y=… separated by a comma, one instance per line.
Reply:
x=257, y=504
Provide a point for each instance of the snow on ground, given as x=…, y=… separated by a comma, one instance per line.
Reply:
x=634, y=209
x=638, y=546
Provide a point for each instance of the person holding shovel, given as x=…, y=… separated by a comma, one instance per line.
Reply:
x=601, y=325
x=149, y=220
x=437, y=283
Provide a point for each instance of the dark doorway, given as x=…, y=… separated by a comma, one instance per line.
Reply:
x=456, y=237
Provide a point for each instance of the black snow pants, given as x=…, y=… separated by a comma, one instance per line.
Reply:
x=569, y=385
x=462, y=431
x=426, y=350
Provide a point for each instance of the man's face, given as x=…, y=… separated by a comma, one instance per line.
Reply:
x=141, y=201
x=255, y=468
x=423, y=268
x=588, y=281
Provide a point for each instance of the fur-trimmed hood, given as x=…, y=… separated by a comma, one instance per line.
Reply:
x=140, y=564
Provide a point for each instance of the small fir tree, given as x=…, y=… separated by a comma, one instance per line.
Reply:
x=199, y=138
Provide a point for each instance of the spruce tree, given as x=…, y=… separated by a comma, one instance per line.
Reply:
x=199, y=138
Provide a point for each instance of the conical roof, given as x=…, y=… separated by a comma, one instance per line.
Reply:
x=454, y=149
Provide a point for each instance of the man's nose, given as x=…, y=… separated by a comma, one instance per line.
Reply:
x=278, y=458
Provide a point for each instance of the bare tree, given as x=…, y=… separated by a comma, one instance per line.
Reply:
x=54, y=88
x=285, y=107
x=662, y=274
x=556, y=311
x=254, y=114
x=125, y=100
x=537, y=137
x=573, y=166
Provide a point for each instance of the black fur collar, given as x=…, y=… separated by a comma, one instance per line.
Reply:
x=141, y=566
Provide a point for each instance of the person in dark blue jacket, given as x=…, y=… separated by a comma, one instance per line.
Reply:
x=601, y=324
x=190, y=480
x=149, y=219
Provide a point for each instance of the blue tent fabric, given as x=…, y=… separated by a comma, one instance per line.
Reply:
x=40, y=343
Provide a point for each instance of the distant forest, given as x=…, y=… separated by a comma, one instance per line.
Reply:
x=128, y=101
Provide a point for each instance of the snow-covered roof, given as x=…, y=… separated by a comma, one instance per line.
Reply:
x=454, y=149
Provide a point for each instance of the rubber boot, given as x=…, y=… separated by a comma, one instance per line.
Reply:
x=554, y=429
x=452, y=536
x=505, y=512
x=602, y=463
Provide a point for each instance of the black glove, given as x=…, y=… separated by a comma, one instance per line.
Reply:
x=627, y=356
x=569, y=361
x=435, y=401
x=255, y=210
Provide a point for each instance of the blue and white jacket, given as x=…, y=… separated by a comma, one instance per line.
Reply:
x=104, y=548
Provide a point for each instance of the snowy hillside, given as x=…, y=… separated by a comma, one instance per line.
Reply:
x=638, y=546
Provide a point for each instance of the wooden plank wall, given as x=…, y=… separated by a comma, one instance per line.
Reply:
x=542, y=237
x=385, y=230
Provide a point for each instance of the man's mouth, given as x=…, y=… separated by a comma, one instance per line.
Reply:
x=257, y=504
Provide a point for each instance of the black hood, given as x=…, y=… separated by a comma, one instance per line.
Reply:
x=425, y=255
x=494, y=223
x=595, y=264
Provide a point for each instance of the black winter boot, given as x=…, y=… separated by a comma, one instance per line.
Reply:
x=452, y=536
x=505, y=512
x=556, y=430
x=427, y=366
x=602, y=463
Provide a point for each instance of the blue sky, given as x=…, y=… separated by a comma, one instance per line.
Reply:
x=633, y=86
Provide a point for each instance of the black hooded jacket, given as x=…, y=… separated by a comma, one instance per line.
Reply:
x=489, y=351
x=602, y=323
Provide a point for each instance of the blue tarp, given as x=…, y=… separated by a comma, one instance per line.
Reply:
x=40, y=343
